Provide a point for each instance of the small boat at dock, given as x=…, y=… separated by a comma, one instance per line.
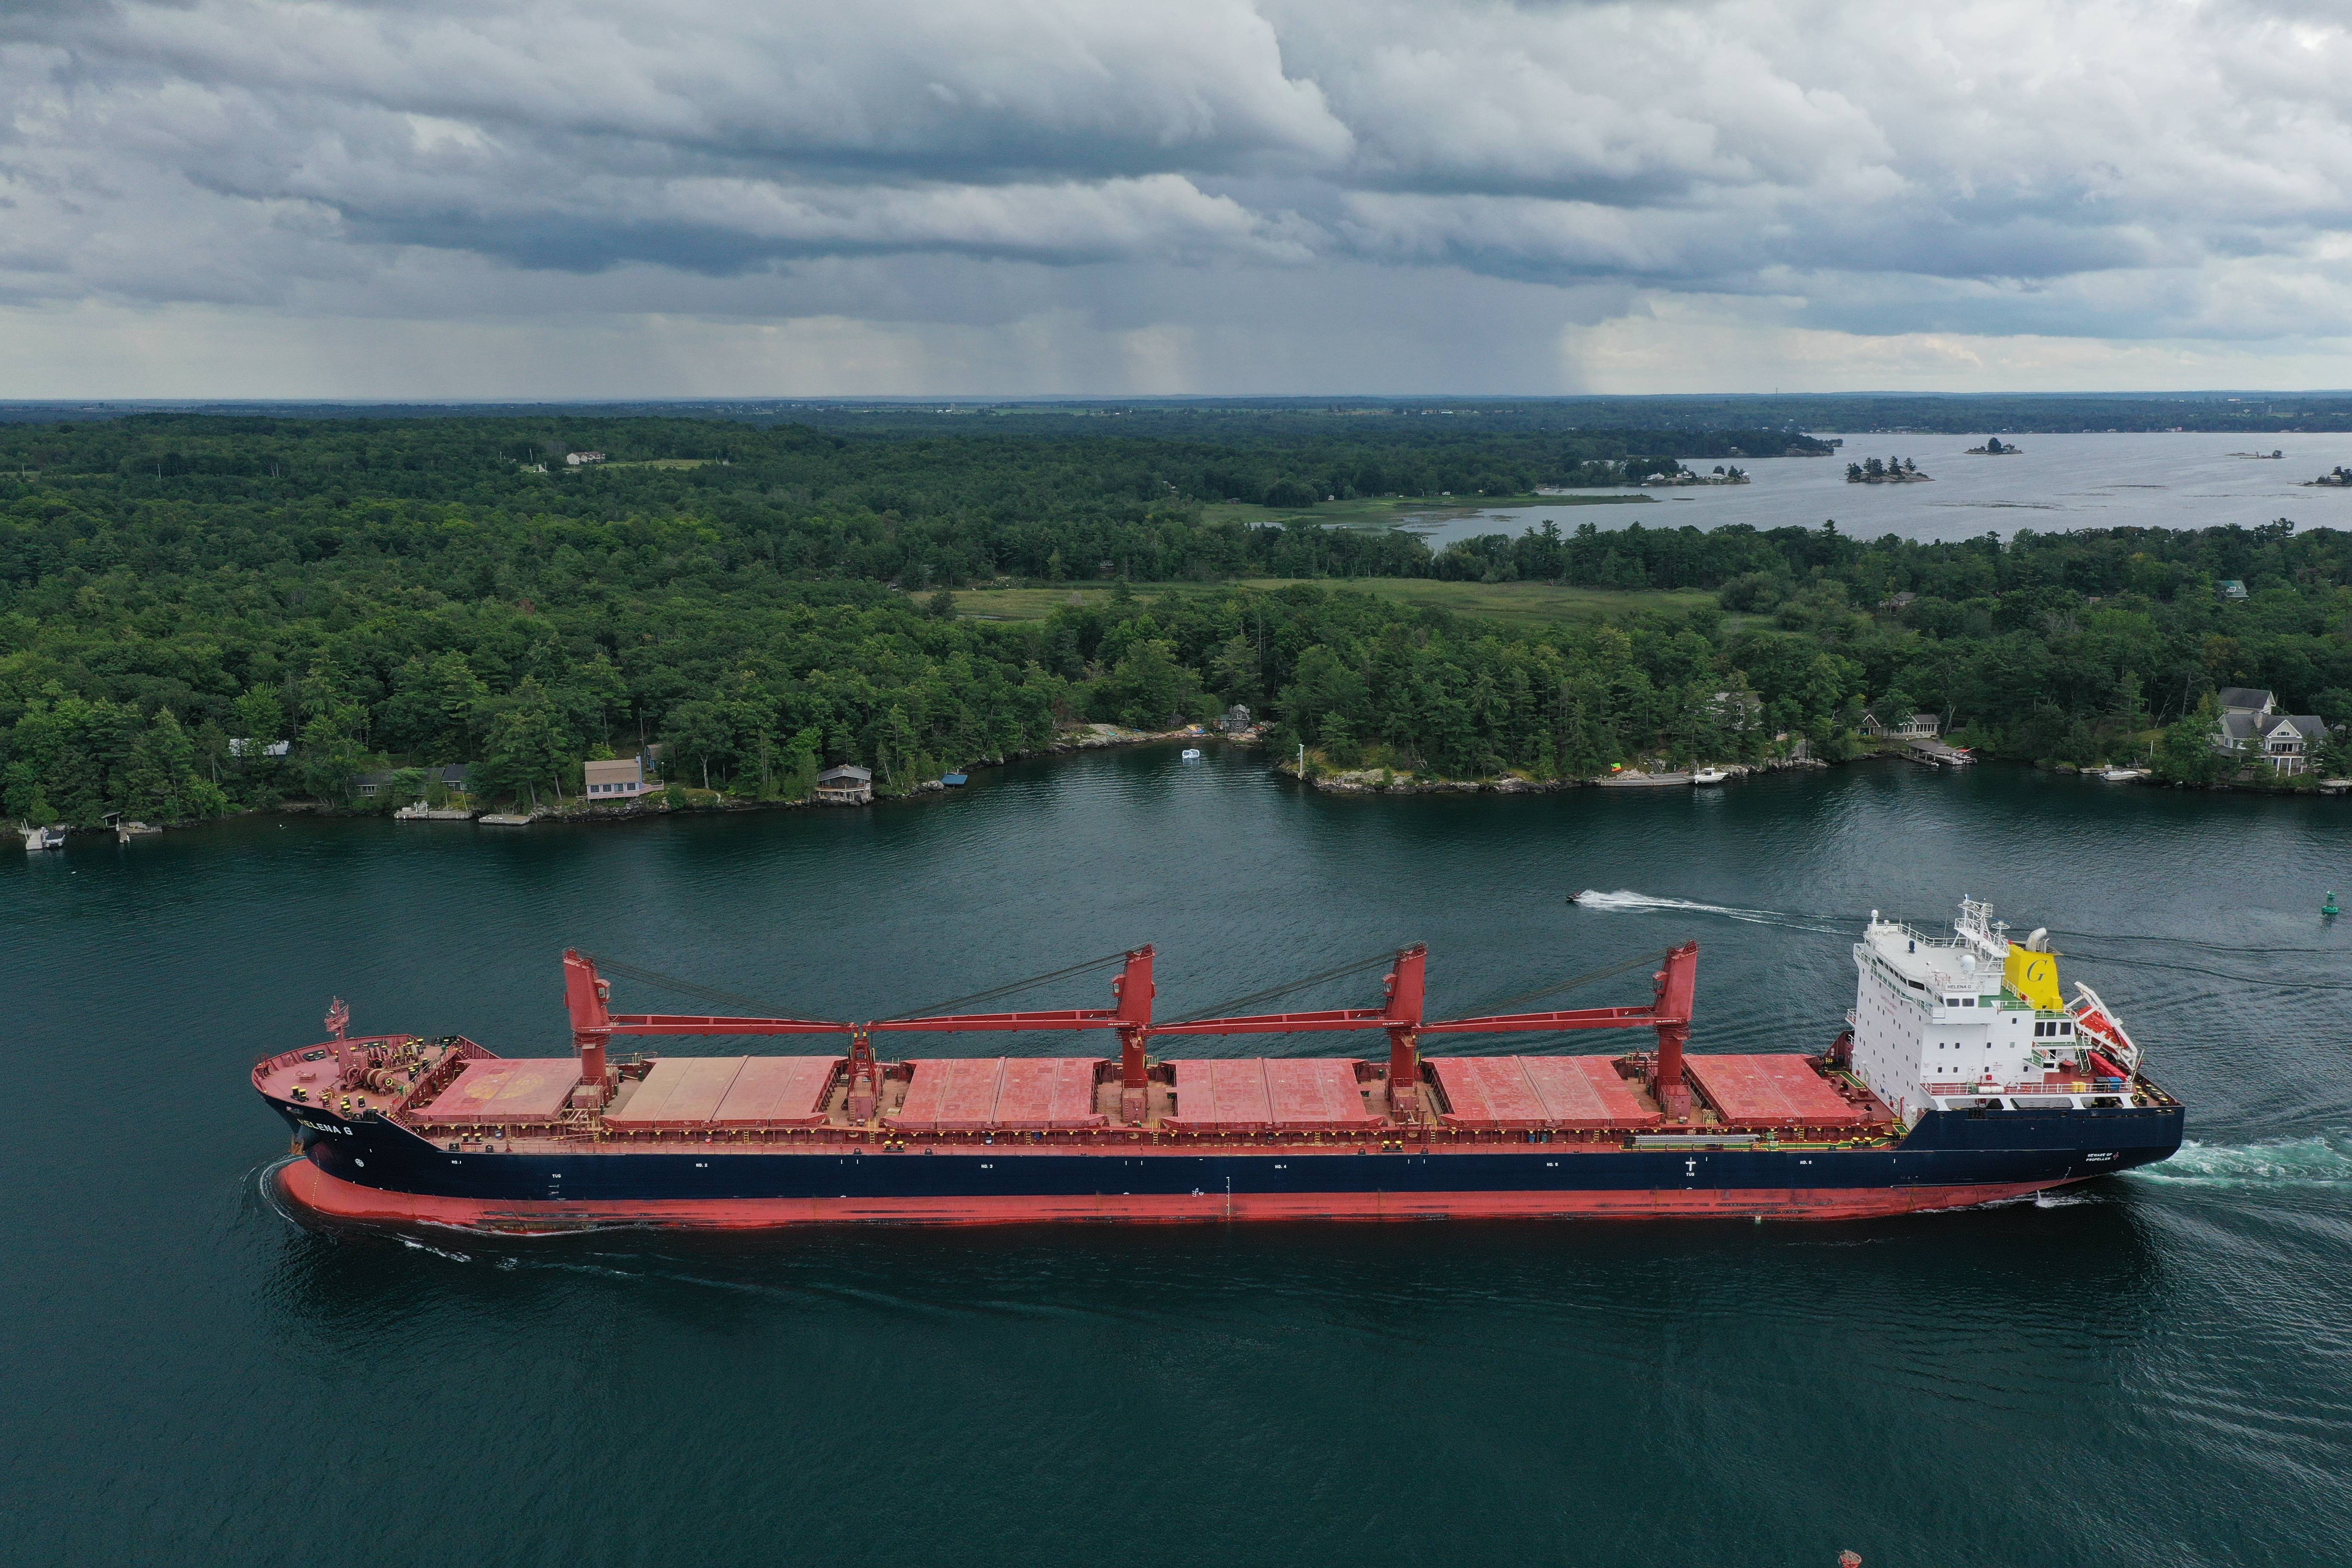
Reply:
x=39, y=838
x=1709, y=776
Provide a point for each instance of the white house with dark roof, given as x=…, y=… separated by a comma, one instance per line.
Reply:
x=2252, y=728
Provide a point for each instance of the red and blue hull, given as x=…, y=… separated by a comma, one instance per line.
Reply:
x=374, y=1170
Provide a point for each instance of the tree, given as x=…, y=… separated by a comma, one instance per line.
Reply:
x=701, y=732
x=329, y=750
x=260, y=719
x=2187, y=754
x=1233, y=671
x=37, y=810
x=797, y=777
x=1324, y=684
x=1147, y=688
x=525, y=745
x=2332, y=757
x=434, y=707
x=161, y=778
x=894, y=751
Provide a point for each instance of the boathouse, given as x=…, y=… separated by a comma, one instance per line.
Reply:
x=847, y=785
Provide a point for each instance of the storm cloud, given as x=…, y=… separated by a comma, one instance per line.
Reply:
x=947, y=195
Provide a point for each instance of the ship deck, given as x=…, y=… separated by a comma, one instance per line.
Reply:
x=455, y=1094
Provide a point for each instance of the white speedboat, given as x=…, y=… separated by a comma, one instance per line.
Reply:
x=39, y=838
x=1709, y=776
x=1191, y=753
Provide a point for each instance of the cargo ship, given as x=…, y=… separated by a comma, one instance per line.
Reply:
x=1963, y=1076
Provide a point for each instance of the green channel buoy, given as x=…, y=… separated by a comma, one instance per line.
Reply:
x=2329, y=907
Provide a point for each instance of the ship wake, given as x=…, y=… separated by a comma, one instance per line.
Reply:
x=2322, y=1161
x=1626, y=900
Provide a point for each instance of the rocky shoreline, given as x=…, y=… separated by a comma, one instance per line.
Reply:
x=656, y=803
x=1098, y=737
x=1386, y=781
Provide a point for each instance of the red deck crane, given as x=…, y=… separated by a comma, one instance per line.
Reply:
x=1130, y=1013
x=1669, y=1012
x=1400, y=1016
x=586, y=994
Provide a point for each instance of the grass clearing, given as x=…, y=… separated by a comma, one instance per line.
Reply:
x=1036, y=603
x=1524, y=604
x=1389, y=510
x=660, y=463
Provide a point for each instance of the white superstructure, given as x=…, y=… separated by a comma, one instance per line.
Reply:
x=1974, y=1020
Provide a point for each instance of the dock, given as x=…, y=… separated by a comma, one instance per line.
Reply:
x=1936, y=754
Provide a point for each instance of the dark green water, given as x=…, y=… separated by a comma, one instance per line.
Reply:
x=2153, y=1370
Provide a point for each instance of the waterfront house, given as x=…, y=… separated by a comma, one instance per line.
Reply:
x=578, y=458
x=849, y=784
x=1236, y=719
x=2285, y=741
x=621, y=778
x=2230, y=588
x=1915, y=727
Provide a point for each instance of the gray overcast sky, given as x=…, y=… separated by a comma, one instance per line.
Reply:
x=589, y=199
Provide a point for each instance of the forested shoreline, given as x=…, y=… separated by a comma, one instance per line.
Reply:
x=766, y=601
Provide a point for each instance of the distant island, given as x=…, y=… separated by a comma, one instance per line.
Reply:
x=2336, y=479
x=2272, y=456
x=1682, y=475
x=1994, y=446
x=1894, y=471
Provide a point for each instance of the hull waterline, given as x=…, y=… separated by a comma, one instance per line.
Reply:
x=305, y=1185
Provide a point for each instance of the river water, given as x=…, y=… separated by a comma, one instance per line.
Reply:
x=2156, y=1369
x=2052, y=483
